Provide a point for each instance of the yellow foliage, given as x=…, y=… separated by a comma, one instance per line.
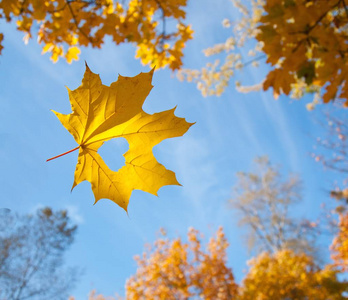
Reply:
x=177, y=270
x=339, y=245
x=101, y=113
x=308, y=41
x=63, y=24
x=305, y=42
x=286, y=275
x=279, y=81
x=72, y=54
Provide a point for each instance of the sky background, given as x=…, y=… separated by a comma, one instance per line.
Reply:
x=230, y=131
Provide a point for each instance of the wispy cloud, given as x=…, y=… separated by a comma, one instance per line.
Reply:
x=283, y=129
x=74, y=214
x=196, y=171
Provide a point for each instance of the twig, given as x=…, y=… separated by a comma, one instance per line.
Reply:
x=72, y=150
x=77, y=24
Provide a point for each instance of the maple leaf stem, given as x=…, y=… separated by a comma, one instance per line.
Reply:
x=72, y=150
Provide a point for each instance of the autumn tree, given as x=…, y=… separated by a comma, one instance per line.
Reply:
x=303, y=42
x=306, y=40
x=64, y=26
x=263, y=200
x=178, y=270
x=31, y=255
x=173, y=269
x=289, y=275
x=339, y=247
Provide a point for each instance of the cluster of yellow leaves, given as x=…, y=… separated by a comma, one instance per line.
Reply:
x=339, y=245
x=306, y=40
x=177, y=270
x=101, y=113
x=286, y=275
x=65, y=26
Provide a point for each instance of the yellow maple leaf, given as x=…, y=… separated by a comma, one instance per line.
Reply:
x=72, y=54
x=101, y=113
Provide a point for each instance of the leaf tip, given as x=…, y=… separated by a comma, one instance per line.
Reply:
x=56, y=113
x=124, y=205
x=73, y=186
x=150, y=73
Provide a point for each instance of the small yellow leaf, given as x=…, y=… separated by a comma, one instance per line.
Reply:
x=72, y=54
x=47, y=48
x=56, y=52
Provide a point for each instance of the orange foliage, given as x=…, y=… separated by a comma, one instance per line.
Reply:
x=175, y=270
x=178, y=270
x=286, y=275
x=306, y=41
x=339, y=245
x=65, y=26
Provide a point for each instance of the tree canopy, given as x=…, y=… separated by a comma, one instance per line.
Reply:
x=179, y=270
x=286, y=275
x=264, y=202
x=303, y=42
x=32, y=248
x=63, y=27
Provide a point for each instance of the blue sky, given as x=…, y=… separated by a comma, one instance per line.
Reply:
x=230, y=131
